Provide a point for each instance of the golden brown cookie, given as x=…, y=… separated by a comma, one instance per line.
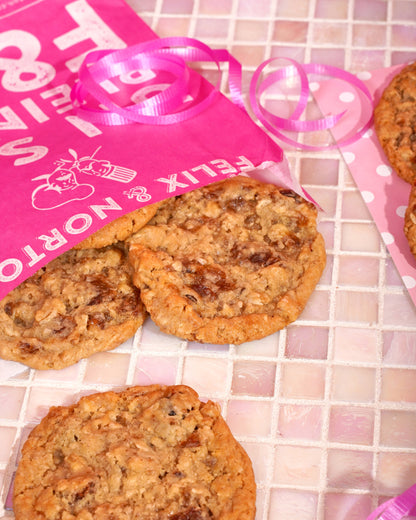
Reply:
x=80, y=303
x=119, y=229
x=228, y=263
x=145, y=453
x=395, y=122
x=410, y=221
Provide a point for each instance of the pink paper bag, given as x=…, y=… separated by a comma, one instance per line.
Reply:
x=62, y=177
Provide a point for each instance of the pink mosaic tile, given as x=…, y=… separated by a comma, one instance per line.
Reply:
x=293, y=31
x=297, y=466
x=397, y=429
x=351, y=425
x=353, y=384
x=205, y=374
x=349, y=505
x=254, y=378
x=396, y=472
x=298, y=421
x=358, y=270
x=107, y=367
x=249, y=418
x=293, y=380
x=398, y=385
x=360, y=237
x=288, y=503
x=356, y=344
x=399, y=348
x=155, y=370
x=375, y=10
x=356, y=306
x=307, y=342
x=350, y=469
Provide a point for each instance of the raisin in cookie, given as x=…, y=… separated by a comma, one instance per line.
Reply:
x=153, y=452
x=80, y=303
x=119, y=229
x=228, y=263
x=395, y=122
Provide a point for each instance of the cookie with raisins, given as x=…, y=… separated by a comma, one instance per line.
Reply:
x=145, y=452
x=395, y=122
x=119, y=229
x=231, y=262
x=79, y=303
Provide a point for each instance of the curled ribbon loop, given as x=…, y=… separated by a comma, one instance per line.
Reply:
x=169, y=106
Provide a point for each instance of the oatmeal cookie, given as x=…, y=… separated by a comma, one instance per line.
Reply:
x=119, y=229
x=395, y=122
x=410, y=221
x=80, y=303
x=153, y=452
x=228, y=263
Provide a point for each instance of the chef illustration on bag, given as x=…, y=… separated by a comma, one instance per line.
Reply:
x=63, y=184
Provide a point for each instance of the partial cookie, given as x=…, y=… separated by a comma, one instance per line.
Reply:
x=228, y=263
x=119, y=229
x=145, y=453
x=80, y=303
x=410, y=221
x=395, y=120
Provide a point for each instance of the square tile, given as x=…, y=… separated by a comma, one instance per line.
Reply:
x=351, y=424
x=353, y=384
x=354, y=207
x=207, y=375
x=298, y=421
x=317, y=307
x=251, y=30
x=290, y=31
x=320, y=171
x=208, y=29
x=369, y=35
x=331, y=33
x=396, y=472
x=306, y=342
x=331, y=9
x=293, y=380
x=360, y=237
x=288, y=504
x=358, y=270
x=217, y=7
x=397, y=428
x=399, y=310
x=374, y=10
x=350, y=469
x=356, y=306
x=106, y=367
x=339, y=506
x=297, y=466
x=398, y=385
x=41, y=399
x=249, y=418
x=11, y=399
x=254, y=378
x=7, y=437
x=355, y=344
x=264, y=347
x=261, y=456
x=155, y=370
x=399, y=348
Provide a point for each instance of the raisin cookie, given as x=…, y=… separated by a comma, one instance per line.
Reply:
x=410, y=221
x=231, y=262
x=119, y=229
x=395, y=122
x=80, y=303
x=153, y=452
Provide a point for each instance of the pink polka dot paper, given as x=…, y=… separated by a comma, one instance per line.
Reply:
x=385, y=194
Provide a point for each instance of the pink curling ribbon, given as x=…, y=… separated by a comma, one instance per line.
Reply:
x=396, y=508
x=167, y=107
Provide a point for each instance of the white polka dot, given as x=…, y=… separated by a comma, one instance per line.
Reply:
x=383, y=170
x=409, y=282
x=400, y=211
x=388, y=238
x=368, y=196
x=368, y=134
x=314, y=86
x=363, y=75
x=347, y=97
x=349, y=157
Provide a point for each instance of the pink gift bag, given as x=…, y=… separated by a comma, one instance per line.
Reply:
x=62, y=176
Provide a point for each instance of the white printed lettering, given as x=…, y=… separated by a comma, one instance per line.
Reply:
x=35, y=152
x=62, y=95
x=34, y=110
x=90, y=27
x=83, y=217
x=53, y=241
x=12, y=120
x=17, y=268
x=34, y=257
x=224, y=166
x=24, y=73
x=172, y=182
x=98, y=208
x=87, y=128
